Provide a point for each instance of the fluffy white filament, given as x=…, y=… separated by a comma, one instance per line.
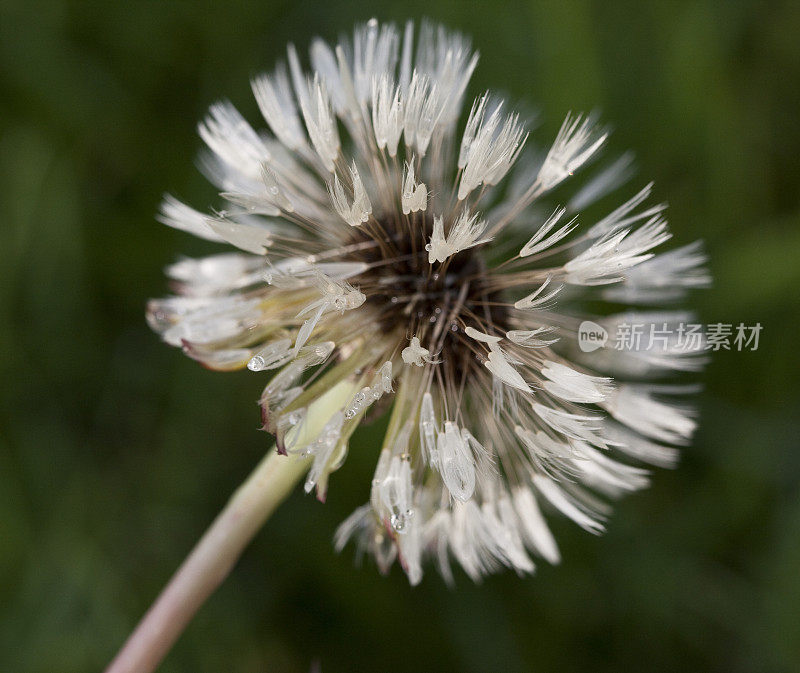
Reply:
x=415, y=194
x=358, y=211
x=464, y=234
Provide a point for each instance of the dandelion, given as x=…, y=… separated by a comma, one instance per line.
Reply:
x=390, y=262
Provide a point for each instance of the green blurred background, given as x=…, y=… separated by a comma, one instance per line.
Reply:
x=116, y=451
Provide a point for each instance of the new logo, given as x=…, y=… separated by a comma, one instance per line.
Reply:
x=591, y=336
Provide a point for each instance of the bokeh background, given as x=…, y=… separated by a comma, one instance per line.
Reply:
x=116, y=451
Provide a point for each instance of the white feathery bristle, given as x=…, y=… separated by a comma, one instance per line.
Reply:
x=325, y=62
x=396, y=493
x=483, y=337
x=538, y=298
x=501, y=521
x=529, y=338
x=665, y=277
x=215, y=274
x=387, y=114
x=455, y=462
x=357, y=212
x=176, y=214
x=576, y=142
x=575, y=426
x=244, y=235
x=533, y=526
x=375, y=50
x=621, y=216
x=276, y=101
x=489, y=148
x=604, y=182
x=415, y=195
x=635, y=406
x=606, y=474
x=464, y=234
x=275, y=192
x=322, y=449
x=538, y=242
x=422, y=112
x=321, y=123
x=428, y=430
x=575, y=386
x=608, y=258
x=233, y=140
x=499, y=365
x=556, y=496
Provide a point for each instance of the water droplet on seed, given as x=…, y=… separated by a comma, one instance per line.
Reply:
x=256, y=364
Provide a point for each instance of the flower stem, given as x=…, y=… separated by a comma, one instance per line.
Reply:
x=209, y=563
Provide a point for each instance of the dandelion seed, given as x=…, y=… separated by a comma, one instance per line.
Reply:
x=415, y=195
x=464, y=234
x=577, y=141
x=415, y=354
x=357, y=212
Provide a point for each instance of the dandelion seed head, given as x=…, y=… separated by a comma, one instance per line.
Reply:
x=392, y=259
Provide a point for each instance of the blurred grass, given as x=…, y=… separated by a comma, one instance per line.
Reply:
x=115, y=451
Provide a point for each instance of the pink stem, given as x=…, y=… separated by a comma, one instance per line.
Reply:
x=208, y=564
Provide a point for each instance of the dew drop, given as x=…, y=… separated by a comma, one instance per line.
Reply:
x=398, y=522
x=256, y=364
